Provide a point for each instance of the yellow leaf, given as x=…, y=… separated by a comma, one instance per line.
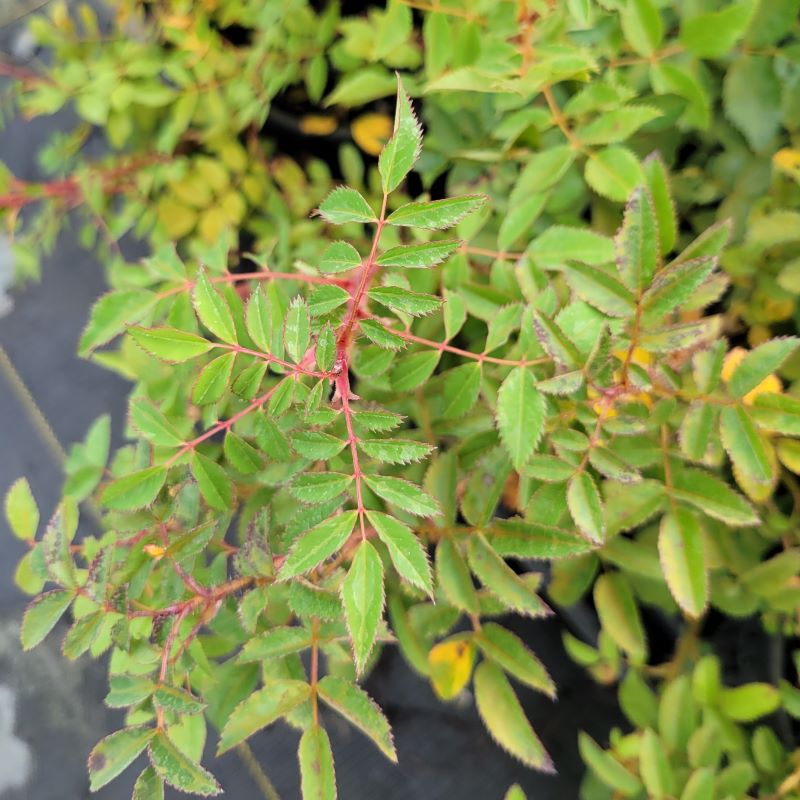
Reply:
x=789, y=454
x=788, y=161
x=317, y=125
x=155, y=551
x=371, y=132
x=178, y=220
x=451, y=664
x=770, y=385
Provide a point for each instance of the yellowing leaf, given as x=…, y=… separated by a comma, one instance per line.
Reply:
x=451, y=664
x=788, y=160
x=371, y=132
x=770, y=385
x=317, y=125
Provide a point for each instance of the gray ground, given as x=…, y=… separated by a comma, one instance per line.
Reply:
x=51, y=711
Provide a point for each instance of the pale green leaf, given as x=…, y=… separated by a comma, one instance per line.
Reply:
x=681, y=548
x=213, y=309
x=520, y=415
x=21, y=510
x=436, y=214
x=362, y=597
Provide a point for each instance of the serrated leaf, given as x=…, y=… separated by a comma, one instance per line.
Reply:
x=213, y=481
x=258, y=320
x=381, y=336
x=134, y=491
x=510, y=653
x=317, y=544
x=636, y=243
x=213, y=309
x=178, y=770
x=115, y=752
x=343, y=205
x=111, y=314
x=554, y=341
x=317, y=777
x=355, y=705
x=520, y=415
x=149, y=786
x=325, y=299
x=260, y=709
x=406, y=551
x=658, y=184
x=170, y=344
x=515, y=537
x=339, y=257
x=414, y=369
x=42, y=615
x=681, y=337
x=297, y=329
x=276, y=643
x=642, y=26
x=713, y=497
x=674, y=285
x=505, y=720
x=153, y=425
x=403, y=494
x=450, y=666
x=614, y=172
x=317, y=445
x=81, y=635
x=681, y=548
x=560, y=244
x=418, y=256
x=585, y=506
x=454, y=577
x=600, y=289
x=241, y=455
x=461, y=389
x=178, y=700
x=436, y=214
x=394, y=451
x=744, y=445
x=759, y=363
x=325, y=351
x=405, y=301
x=213, y=380
x=616, y=125
x=128, y=690
x=362, y=599
x=619, y=614
x=501, y=580
x=22, y=513
x=402, y=150
x=319, y=487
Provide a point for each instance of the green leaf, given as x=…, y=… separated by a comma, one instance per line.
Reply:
x=772, y=20
x=777, y=412
x=343, y=205
x=515, y=537
x=761, y=362
x=148, y=786
x=114, y=753
x=213, y=309
x=607, y=768
x=406, y=551
x=636, y=243
x=362, y=598
x=700, y=785
x=213, y=380
x=325, y=350
x=402, y=150
x=553, y=340
x=642, y=26
x=675, y=285
x=745, y=446
x=681, y=337
x=171, y=698
x=381, y=336
x=749, y=702
x=713, y=34
x=403, y=494
x=501, y=580
x=414, y=369
x=276, y=643
x=520, y=414
x=454, y=577
x=418, y=256
x=436, y=214
x=82, y=635
x=713, y=497
x=297, y=329
x=178, y=770
x=153, y=425
x=317, y=544
x=319, y=487
x=258, y=320
x=56, y=540
x=241, y=455
x=559, y=244
x=170, y=344
x=511, y=654
x=655, y=768
x=405, y=301
x=614, y=172
x=128, y=690
x=339, y=257
x=658, y=184
x=461, y=389
x=21, y=510
x=394, y=451
x=355, y=705
x=317, y=445
x=637, y=700
x=41, y=617
x=318, y=781
x=260, y=709
x=111, y=314
x=600, y=289
x=325, y=299
x=681, y=548
x=213, y=481
x=616, y=125
x=134, y=491
x=585, y=506
x=505, y=720
x=619, y=614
